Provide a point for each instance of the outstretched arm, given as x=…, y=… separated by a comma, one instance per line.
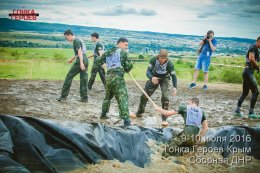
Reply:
x=71, y=59
x=166, y=112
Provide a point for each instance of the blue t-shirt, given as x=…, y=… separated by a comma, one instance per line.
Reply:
x=206, y=47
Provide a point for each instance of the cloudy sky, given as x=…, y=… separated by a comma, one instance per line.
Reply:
x=228, y=18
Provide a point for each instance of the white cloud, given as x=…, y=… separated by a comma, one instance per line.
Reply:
x=121, y=10
x=237, y=18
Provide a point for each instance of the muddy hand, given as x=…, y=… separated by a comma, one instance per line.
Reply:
x=155, y=80
x=69, y=61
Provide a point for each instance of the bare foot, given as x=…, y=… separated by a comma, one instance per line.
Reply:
x=164, y=123
x=132, y=115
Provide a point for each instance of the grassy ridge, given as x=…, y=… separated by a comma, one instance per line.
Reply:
x=51, y=64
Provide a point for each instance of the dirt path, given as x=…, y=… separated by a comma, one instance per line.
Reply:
x=38, y=99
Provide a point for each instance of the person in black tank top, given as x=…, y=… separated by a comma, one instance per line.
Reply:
x=249, y=81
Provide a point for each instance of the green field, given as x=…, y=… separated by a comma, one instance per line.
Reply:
x=51, y=64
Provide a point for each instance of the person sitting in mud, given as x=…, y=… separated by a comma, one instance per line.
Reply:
x=249, y=81
x=117, y=62
x=80, y=66
x=194, y=119
x=159, y=72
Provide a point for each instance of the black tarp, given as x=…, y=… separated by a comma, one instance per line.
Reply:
x=34, y=145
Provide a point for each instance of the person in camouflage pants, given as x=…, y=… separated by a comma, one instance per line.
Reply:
x=194, y=118
x=96, y=68
x=80, y=66
x=159, y=72
x=117, y=62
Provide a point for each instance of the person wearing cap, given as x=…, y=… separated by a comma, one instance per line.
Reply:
x=96, y=68
x=160, y=72
x=208, y=46
x=80, y=66
x=117, y=63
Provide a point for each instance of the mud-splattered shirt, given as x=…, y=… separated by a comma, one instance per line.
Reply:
x=121, y=62
x=155, y=69
x=183, y=111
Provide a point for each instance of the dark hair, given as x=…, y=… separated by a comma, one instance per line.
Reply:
x=210, y=32
x=68, y=32
x=258, y=38
x=195, y=100
x=94, y=34
x=122, y=39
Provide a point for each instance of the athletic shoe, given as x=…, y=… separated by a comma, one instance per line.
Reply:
x=238, y=114
x=192, y=85
x=254, y=116
x=127, y=123
x=62, y=99
x=205, y=87
x=84, y=100
x=138, y=114
x=164, y=118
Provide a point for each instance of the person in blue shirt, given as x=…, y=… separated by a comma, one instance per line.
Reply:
x=208, y=46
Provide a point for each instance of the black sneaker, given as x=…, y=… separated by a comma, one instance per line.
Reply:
x=192, y=85
x=164, y=118
x=127, y=123
x=138, y=114
x=104, y=117
x=205, y=87
x=238, y=114
x=61, y=99
x=89, y=87
x=84, y=100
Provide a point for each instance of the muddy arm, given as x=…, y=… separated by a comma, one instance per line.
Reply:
x=204, y=128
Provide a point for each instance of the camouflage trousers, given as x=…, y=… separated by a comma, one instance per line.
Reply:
x=184, y=139
x=96, y=68
x=115, y=86
x=150, y=89
x=74, y=70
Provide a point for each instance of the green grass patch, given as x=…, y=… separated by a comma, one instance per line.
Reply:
x=51, y=64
